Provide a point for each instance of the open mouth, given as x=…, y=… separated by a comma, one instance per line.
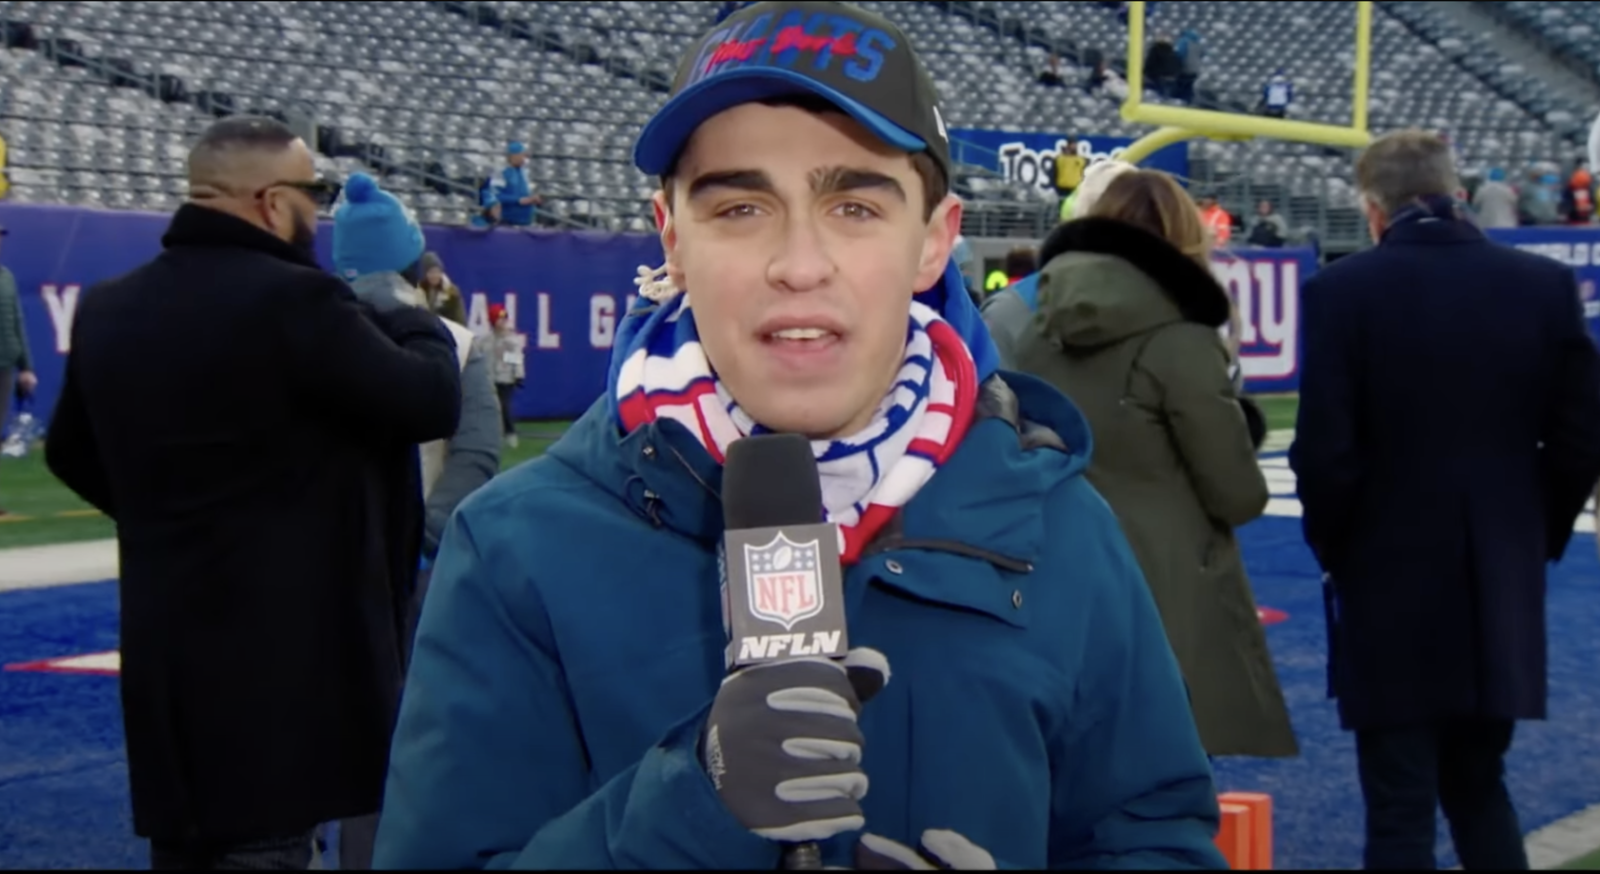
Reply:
x=801, y=336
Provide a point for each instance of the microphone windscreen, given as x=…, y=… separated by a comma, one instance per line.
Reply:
x=769, y=481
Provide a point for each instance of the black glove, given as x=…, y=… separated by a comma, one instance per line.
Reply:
x=783, y=749
x=941, y=850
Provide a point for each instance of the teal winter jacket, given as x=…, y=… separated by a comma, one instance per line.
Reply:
x=573, y=640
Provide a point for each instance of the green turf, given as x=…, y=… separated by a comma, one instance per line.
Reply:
x=1590, y=862
x=1280, y=410
x=40, y=510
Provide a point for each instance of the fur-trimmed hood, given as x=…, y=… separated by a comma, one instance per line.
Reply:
x=1104, y=281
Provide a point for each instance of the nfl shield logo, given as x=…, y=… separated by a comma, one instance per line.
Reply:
x=785, y=585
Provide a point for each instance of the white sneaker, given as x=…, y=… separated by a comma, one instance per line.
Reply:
x=511, y=440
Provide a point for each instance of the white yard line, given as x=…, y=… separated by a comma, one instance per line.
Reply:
x=38, y=567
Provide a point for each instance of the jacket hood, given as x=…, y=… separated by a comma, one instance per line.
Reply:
x=1104, y=281
x=1029, y=438
x=385, y=291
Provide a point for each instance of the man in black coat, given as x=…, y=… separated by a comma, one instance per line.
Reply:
x=251, y=429
x=1448, y=437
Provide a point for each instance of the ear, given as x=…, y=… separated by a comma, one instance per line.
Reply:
x=668, y=226
x=943, y=229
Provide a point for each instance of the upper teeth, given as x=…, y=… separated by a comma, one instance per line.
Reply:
x=801, y=334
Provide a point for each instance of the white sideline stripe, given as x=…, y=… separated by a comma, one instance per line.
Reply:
x=1564, y=840
x=38, y=567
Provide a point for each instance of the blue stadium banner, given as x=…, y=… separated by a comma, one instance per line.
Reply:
x=1029, y=159
x=1576, y=247
x=563, y=290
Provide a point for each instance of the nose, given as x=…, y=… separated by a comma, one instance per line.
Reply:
x=803, y=262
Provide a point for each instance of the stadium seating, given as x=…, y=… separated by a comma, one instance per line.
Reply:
x=1572, y=30
x=428, y=93
x=1474, y=51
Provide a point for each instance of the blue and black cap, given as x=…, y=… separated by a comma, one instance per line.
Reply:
x=860, y=62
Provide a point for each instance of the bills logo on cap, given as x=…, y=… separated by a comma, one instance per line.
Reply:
x=784, y=580
x=771, y=41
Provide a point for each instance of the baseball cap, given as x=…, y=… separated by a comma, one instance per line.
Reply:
x=516, y=148
x=856, y=60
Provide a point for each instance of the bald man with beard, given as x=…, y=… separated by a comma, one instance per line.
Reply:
x=251, y=428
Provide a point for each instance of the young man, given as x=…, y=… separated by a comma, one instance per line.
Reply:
x=567, y=707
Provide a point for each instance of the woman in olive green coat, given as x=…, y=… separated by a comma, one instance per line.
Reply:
x=1128, y=326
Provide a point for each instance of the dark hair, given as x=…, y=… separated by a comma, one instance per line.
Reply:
x=934, y=184
x=1021, y=261
x=239, y=133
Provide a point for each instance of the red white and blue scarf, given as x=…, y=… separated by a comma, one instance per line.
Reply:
x=660, y=372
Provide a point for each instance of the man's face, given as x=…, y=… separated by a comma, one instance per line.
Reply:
x=517, y=160
x=434, y=276
x=801, y=240
x=290, y=212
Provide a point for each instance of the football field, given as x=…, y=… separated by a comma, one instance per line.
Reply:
x=63, y=781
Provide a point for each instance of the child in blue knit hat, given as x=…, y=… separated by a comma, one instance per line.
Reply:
x=377, y=248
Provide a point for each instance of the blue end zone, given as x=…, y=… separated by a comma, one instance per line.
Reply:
x=63, y=778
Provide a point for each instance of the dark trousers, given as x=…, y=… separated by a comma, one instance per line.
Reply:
x=288, y=853
x=507, y=421
x=1407, y=774
x=358, y=836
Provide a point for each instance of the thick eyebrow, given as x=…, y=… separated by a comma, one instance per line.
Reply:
x=740, y=180
x=828, y=180
x=837, y=180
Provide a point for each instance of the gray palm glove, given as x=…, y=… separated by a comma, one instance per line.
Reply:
x=783, y=748
x=941, y=850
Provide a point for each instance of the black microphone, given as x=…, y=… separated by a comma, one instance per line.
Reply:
x=782, y=586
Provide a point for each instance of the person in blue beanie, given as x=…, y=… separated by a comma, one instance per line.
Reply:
x=568, y=707
x=378, y=248
x=508, y=197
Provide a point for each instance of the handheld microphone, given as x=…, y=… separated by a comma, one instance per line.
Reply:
x=782, y=586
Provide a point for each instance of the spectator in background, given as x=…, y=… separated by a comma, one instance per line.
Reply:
x=16, y=362
x=1191, y=55
x=1539, y=202
x=1021, y=262
x=509, y=354
x=377, y=248
x=1594, y=144
x=1162, y=66
x=1495, y=202
x=442, y=297
x=1268, y=230
x=1007, y=313
x=268, y=517
x=1433, y=514
x=1070, y=165
x=508, y=197
x=1050, y=76
x=1128, y=327
x=1577, y=199
x=1217, y=219
x=1276, y=95
x=971, y=268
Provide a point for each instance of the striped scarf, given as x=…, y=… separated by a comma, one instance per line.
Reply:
x=660, y=372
